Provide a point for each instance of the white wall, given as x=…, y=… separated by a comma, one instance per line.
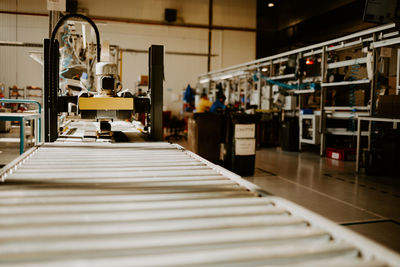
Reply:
x=179, y=70
x=189, y=11
x=16, y=67
x=237, y=13
x=232, y=47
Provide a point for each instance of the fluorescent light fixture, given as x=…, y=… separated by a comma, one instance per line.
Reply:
x=227, y=76
x=264, y=69
x=97, y=22
x=238, y=73
x=206, y=80
x=271, y=4
x=11, y=43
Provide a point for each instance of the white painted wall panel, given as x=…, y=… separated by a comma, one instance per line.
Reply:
x=238, y=47
x=31, y=6
x=236, y=13
x=189, y=11
x=8, y=62
x=8, y=5
x=142, y=36
x=232, y=47
x=16, y=67
x=179, y=70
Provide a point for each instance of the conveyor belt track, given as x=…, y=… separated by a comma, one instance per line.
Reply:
x=155, y=204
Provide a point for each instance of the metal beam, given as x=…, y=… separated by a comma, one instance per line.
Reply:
x=305, y=49
x=127, y=50
x=210, y=23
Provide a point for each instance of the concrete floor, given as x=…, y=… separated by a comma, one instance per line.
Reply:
x=368, y=205
x=9, y=145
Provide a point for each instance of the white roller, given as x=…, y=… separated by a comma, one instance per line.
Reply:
x=155, y=204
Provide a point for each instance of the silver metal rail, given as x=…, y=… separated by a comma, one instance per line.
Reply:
x=347, y=41
x=155, y=204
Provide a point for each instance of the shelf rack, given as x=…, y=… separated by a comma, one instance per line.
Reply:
x=34, y=93
x=370, y=40
x=20, y=93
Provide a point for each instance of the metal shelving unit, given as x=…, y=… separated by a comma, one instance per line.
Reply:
x=266, y=72
x=34, y=93
x=345, y=83
x=15, y=93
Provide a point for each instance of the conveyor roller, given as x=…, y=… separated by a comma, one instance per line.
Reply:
x=156, y=204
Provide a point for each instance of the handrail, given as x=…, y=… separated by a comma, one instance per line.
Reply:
x=27, y=101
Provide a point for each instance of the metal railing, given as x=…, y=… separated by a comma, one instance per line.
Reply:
x=27, y=101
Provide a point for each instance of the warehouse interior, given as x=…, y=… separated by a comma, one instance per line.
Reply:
x=199, y=133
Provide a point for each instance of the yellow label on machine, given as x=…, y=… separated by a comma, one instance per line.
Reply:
x=105, y=103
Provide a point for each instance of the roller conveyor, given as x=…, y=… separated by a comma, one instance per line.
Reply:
x=156, y=204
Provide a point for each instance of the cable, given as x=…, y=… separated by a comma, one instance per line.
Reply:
x=53, y=93
x=284, y=85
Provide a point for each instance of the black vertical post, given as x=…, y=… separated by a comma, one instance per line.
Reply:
x=46, y=83
x=156, y=80
x=210, y=22
x=51, y=73
x=53, y=97
x=51, y=83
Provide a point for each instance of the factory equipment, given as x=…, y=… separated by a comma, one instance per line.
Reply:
x=340, y=78
x=152, y=204
x=91, y=83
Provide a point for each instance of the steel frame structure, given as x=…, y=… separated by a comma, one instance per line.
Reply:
x=373, y=39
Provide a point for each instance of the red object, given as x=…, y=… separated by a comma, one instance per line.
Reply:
x=341, y=153
x=167, y=118
x=309, y=61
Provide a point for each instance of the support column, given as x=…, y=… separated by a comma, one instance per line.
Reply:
x=54, y=16
x=210, y=21
x=322, y=121
x=156, y=79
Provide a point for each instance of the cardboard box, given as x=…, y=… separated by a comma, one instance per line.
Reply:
x=396, y=106
x=290, y=103
x=340, y=97
x=389, y=106
x=385, y=106
x=359, y=98
x=144, y=80
x=392, y=82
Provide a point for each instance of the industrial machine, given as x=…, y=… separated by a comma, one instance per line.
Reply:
x=81, y=78
x=150, y=203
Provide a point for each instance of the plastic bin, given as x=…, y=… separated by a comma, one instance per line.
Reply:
x=240, y=150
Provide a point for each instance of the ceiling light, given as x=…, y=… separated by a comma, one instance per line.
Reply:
x=264, y=69
x=11, y=43
x=271, y=4
x=228, y=76
x=206, y=80
x=309, y=61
